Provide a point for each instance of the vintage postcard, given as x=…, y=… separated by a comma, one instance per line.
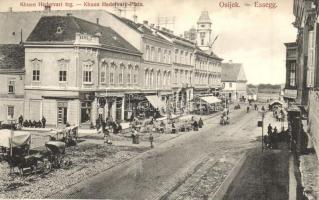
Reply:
x=159, y=99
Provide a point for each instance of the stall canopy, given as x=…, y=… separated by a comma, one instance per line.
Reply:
x=18, y=138
x=210, y=99
x=156, y=101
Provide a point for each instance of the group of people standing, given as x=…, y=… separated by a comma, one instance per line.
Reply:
x=273, y=137
x=32, y=124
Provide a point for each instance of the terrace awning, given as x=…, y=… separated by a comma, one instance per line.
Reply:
x=210, y=99
x=155, y=101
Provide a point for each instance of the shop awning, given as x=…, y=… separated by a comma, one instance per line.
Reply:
x=18, y=138
x=210, y=99
x=155, y=101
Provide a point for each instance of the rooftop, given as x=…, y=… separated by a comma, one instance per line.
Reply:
x=11, y=57
x=204, y=17
x=47, y=30
x=232, y=72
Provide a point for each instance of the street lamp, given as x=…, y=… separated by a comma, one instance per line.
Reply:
x=261, y=124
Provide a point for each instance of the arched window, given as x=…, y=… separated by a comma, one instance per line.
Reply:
x=158, y=79
x=129, y=74
x=136, y=72
x=147, y=78
x=151, y=78
x=112, y=73
x=121, y=74
x=164, y=79
x=103, y=73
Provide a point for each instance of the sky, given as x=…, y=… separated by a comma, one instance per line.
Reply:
x=250, y=35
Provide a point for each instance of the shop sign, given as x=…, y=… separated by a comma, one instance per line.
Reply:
x=290, y=93
x=87, y=96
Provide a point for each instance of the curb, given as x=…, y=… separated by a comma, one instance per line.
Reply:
x=221, y=191
x=292, y=179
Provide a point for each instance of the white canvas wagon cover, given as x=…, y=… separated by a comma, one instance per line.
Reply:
x=18, y=138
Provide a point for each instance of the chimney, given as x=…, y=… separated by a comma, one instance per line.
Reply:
x=47, y=8
x=158, y=27
x=230, y=61
x=10, y=9
x=69, y=14
x=152, y=25
x=145, y=22
x=97, y=21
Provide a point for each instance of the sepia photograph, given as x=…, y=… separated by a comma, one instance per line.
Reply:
x=159, y=99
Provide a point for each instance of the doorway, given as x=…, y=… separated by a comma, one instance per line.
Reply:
x=62, y=113
x=86, y=108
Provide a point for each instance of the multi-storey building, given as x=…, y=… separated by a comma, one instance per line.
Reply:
x=12, y=81
x=290, y=93
x=77, y=70
x=171, y=69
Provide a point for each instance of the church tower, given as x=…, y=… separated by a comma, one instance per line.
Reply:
x=204, y=31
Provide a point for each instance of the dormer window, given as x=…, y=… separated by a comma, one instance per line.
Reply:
x=59, y=30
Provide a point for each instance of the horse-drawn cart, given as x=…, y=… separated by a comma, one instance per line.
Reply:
x=15, y=150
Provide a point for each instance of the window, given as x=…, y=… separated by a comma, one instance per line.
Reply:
x=104, y=67
x=121, y=72
x=120, y=78
x=87, y=72
x=147, y=54
x=230, y=85
x=36, y=75
x=10, y=111
x=111, y=78
x=159, y=59
x=202, y=42
x=153, y=54
x=62, y=76
x=182, y=57
x=112, y=73
x=169, y=57
x=146, y=78
x=176, y=55
x=202, y=34
x=11, y=86
x=36, y=70
x=292, y=75
x=165, y=57
x=135, y=75
x=203, y=25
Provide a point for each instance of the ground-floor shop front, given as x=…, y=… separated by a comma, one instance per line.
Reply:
x=84, y=108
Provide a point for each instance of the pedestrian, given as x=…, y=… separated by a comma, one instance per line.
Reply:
x=269, y=129
x=200, y=123
x=151, y=138
x=247, y=109
x=20, y=120
x=43, y=120
x=195, y=125
x=255, y=106
x=173, y=128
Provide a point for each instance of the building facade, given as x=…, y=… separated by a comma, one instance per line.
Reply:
x=12, y=81
x=164, y=70
x=234, y=81
x=77, y=70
